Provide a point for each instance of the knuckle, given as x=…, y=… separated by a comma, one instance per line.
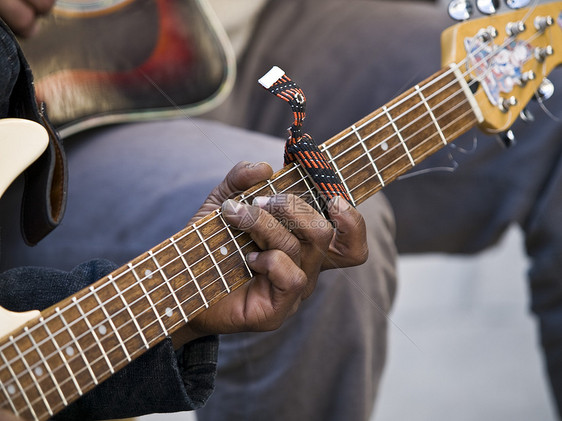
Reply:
x=360, y=257
x=289, y=244
x=299, y=280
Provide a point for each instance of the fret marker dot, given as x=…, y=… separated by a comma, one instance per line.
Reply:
x=169, y=312
x=102, y=330
x=224, y=250
x=11, y=389
x=69, y=351
x=384, y=146
x=38, y=371
x=148, y=274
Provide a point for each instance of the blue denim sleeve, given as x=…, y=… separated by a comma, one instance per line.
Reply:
x=161, y=380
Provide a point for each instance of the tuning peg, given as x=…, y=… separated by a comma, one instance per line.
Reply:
x=507, y=138
x=517, y=4
x=542, y=53
x=526, y=116
x=487, y=34
x=526, y=77
x=506, y=103
x=543, y=22
x=460, y=10
x=545, y=90
x=487, y=7
x=515, y=28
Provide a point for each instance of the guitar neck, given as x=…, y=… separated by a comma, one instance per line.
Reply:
x=85, y=338
x=393, y=139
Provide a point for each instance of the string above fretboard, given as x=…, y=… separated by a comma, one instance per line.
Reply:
x=86, y=338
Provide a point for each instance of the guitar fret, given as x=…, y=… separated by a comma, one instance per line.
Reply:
x=78, y=347
x=250, y=273
x=31, y=375
x=128, y=308
x=385, y=109
x=418, y=90
x=193, y=278
x=20, y=387
x=271, y=186
x=94, y=334
x=244, y=198
x=145, y=292
x=46, y=364
x=342, y=179
x=368, y=154
x=118, y=336
x=311, y=189
x=212, y=258
x=7, y=395
x=58, y=350
x=467, y=92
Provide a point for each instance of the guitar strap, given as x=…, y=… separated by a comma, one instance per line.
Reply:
x=45, y=186
x=300, y=146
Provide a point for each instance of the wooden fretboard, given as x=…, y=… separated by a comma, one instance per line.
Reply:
x=84, y=339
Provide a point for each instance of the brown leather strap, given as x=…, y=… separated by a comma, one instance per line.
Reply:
x=44, y=196
x=45, y=188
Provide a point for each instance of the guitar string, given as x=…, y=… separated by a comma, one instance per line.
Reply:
x=437, y=79
x=399, y=158
x=340, y=139
x=428, y=152
x=413, y=94
x=92, y=382
x=461, y=130
x=382, y=114
x=372, y=119
x=156, y=339
x=243, y=246
x=135, y=334
x=48, y=339
x=145, y=278
x=167, y=297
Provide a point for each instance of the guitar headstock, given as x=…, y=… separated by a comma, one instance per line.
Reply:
x=505, y=58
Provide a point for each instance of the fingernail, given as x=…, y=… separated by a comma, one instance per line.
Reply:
x=251, y=257
x=339, y=205
x=260, y=201
x=231, y=207
x=256, y=164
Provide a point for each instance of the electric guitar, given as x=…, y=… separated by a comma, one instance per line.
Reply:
x=49, y=359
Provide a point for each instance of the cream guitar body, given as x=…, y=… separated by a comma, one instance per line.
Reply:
x=10, y=321
x=21, y=143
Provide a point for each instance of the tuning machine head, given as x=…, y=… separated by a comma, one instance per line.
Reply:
x=460, y=10
x=506, y=139
x=517, y=4
x=487, y=7
x=545, y=90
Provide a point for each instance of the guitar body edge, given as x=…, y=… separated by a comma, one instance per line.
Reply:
x=21, y=143
x=10, y=321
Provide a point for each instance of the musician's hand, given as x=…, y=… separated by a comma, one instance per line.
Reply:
x=296, y=243
x=6, y=416
x=21, y=15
